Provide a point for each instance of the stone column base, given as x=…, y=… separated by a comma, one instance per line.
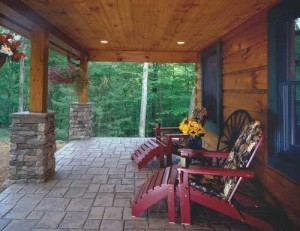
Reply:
x=81, y=121
x=32, y=147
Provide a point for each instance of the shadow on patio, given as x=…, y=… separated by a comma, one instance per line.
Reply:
x=94, y=183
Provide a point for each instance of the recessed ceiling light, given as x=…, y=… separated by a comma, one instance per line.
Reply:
x=180, y=42
x=103, y=41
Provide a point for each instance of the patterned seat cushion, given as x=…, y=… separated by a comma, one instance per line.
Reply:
x=238, y=158
x=212, y=185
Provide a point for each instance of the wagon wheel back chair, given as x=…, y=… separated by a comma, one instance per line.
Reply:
x=230, y=131
x=167, y=142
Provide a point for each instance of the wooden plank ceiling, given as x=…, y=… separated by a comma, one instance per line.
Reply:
x=138, y=30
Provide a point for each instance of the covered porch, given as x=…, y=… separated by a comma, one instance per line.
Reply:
x=233, y=37
x=92, y=188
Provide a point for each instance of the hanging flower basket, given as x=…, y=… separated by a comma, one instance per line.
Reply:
x=71, y=75
x=8, y=49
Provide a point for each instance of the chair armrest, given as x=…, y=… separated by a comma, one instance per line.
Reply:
x=188, y=152
x=201, y=170
x=170, y=136
x=160, y=130
x=164, y=129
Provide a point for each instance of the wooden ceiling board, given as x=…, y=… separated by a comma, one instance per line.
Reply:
x=145, y=25
x=112, y=13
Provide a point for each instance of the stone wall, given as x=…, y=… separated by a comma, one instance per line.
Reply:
x=81, y=121
x=197, y=82
x=32, y=147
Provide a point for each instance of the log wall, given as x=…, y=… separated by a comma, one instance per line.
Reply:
x=245, y=68
x=245, y=86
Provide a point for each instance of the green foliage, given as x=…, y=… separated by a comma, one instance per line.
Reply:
x=114, y=91
x=59, y=98
x=9, y=84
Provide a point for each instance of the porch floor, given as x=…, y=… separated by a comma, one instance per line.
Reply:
x=94, y=183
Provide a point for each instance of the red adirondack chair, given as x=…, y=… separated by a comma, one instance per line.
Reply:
x=163, y=144
x=230, y=131
x=166, y=138
x=216, y=188
x=174, y=141
x=218, y=192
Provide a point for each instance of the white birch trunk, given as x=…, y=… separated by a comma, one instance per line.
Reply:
x=143, y=101
x=21, y=81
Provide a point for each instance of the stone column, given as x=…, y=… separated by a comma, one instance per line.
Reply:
x=32, y=147
x=197, y=88
x=81, y=121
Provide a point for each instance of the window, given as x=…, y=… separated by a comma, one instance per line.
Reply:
x=296, y=88
x=284, y=90
x=289, y=89
x=211, y=63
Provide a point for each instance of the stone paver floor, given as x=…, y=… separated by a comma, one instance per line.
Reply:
x=94, y=183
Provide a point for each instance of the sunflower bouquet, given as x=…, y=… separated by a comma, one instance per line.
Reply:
x=191, y=127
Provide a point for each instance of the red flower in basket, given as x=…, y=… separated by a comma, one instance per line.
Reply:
x=17, y=56
x=8, y=48
x=68, y=75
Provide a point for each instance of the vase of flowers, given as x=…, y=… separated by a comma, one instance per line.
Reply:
x=195, y=142
x=9, y=49
x=194, y=129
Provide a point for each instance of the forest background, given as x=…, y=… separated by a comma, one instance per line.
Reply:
x=114, y=91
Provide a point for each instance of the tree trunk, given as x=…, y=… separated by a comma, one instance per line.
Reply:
x=154, y=92
x=160, y=99
x=21, y=81
x=143, y=101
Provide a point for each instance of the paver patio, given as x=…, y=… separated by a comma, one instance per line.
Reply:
x=94, y=183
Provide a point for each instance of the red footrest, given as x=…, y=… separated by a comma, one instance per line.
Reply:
x=160, y=185
x=147, y=151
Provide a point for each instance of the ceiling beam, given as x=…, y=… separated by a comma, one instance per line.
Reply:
x=13, y=25
x=21, y=8
x=141, y=56
x=54, y=42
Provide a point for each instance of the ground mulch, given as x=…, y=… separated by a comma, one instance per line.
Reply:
x=4, y=158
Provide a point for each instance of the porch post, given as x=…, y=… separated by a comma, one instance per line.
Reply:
x=39, y=71
x=83, y=96
x=81, y=112
x=32, y=133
